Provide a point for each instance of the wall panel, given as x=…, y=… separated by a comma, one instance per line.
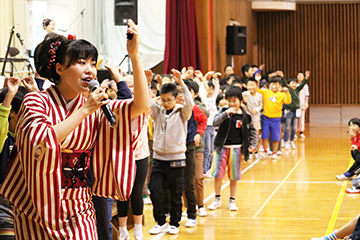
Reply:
x=323, y=38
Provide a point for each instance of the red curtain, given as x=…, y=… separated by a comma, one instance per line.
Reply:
x=181, y=46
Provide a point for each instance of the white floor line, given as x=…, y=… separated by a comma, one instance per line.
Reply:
x=228, y=182
x=208, y=198
x=305, y=182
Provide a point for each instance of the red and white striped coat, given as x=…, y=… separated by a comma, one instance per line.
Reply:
x=43, y=210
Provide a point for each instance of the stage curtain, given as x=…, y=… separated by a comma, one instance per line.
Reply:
x=181, y=45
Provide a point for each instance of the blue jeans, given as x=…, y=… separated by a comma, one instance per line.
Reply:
x=209, y=147
x=291, y=122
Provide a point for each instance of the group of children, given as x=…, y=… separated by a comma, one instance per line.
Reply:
x=200, y=125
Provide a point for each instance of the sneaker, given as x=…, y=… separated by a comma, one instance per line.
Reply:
x=274, y=156
x=202, y=212
x=287, y=145
x=207, y=175
x=302, y=135
x=232, y=205
x=215, y=204
x=279, y=153
x=264, y=155
x=126, y=237
x=292, y=145
x=261, y=149
x=251, y=156
x=158, y=229
x=146, y=200
x=295, y=137
x=342, y=177
x=257, y=156
x=184, y=214
x=191, y=223
x=173, y=230
x=353, y=189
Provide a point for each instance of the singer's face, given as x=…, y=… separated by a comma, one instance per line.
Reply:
x=75, y=79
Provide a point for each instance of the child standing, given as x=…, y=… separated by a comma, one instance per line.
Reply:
x=208, y=96
x=292, y=110
x=254, y=105
x=271, y=118
x=169, y=152
x=236, y=134
x=201, y=123
x=304, y=104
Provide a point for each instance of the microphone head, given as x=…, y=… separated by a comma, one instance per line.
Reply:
x=93, y=84
x=18, y=35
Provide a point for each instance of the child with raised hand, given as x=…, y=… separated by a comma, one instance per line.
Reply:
x=10, y=98
x=208, y=96
x=271, y=118
x=292, y=110
x=254, y=104
x=304, y=104
x=170, y=132
x=354, y=132
x=236, y=135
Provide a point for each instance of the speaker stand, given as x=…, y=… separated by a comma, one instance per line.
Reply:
x=129, y=64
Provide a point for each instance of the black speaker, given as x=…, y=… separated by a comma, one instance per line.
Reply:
x=235, y=40
x=124, y=10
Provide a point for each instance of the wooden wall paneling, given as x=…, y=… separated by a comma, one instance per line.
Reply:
x=202, y=23
x=356, y=62
x=323, y=38
x=238, y=10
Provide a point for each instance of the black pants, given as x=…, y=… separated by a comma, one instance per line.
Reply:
x=102, y=217
x=174, y=177
x=136, y=196
x=355, y=168
x=189, y=187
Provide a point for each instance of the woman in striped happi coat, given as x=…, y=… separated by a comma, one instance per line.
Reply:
x=46, y=181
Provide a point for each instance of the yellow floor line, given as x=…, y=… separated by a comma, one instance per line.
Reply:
x=277, y=188
x=331, y=225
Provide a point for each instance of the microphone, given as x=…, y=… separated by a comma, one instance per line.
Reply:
x=93, y=85
x=19, y=37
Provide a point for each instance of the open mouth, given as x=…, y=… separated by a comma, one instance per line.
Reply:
x=87, y=80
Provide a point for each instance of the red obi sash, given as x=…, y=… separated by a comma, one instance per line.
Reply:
x=75, y=165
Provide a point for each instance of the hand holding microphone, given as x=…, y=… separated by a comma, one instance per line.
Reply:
x=93, y=86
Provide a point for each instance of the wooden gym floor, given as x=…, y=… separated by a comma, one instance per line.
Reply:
x=294, y=197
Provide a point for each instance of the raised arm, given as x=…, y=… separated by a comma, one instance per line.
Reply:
x=302, y=84
x=141, y=102
x=186, y=111
x=12, y=85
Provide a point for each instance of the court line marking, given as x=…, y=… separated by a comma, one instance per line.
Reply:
x=209, y=198
x=335, y=213
x=276, y=189
x=228, y=182
x=305, y=182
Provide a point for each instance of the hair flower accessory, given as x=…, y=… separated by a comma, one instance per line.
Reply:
x=71, y=37
x=52, y=52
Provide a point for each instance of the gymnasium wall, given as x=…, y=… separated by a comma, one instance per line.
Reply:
x=323, y=38
x=220, y=14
